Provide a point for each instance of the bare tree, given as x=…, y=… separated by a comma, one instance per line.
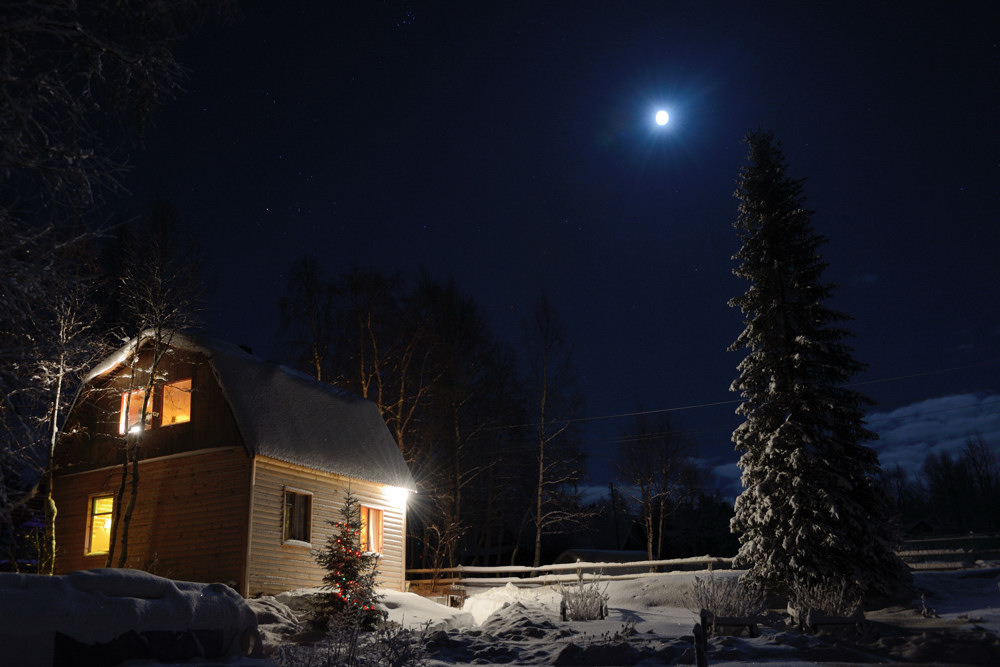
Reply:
x=307, y=317
x=499, y=494
x=160, y=290
x=983, y=466
x=361, y=332
x=657, y=474
x=39, y=372
x=958, y=487
x=423, y=354
x=75, y=349
x=556, y=404
x=454, y=420
x=77, y=81
x=384, y=352
x=949, y=488
x=904, y=496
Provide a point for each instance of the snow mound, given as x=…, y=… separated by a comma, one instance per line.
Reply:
x=286, y=614
x=516, y=621
x=121, y=611
x=276, y=621
x=482, y=605
x=416, y=613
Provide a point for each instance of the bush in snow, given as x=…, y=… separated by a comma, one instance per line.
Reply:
x=726, y=596
x=583, y=601
x=828, y=598
x=347, y=645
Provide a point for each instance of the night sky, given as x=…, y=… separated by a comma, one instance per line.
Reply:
x=512, y=147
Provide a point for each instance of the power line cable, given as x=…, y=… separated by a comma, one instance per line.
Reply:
x=697, y=406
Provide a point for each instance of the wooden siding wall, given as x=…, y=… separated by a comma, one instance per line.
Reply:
x=190, y=520
x=276, y=567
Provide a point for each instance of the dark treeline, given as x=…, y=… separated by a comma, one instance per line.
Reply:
x=954, y=493
x=490, y=429
x=486, y=429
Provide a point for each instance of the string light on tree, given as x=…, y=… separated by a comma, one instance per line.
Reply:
x=350, y=578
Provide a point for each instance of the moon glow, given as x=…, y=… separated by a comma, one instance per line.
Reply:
x=662, y=117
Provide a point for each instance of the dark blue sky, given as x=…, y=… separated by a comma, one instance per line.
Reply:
x=512, y=147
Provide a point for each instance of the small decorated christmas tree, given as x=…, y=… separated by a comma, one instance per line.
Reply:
x=350, y=573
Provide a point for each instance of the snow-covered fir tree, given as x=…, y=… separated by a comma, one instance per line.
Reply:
x=810, y=512
x=350, y=597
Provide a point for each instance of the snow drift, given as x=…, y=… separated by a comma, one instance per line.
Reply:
x=109, y=615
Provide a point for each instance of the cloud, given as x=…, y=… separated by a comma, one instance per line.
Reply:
x=908, y=434
x=729, y=479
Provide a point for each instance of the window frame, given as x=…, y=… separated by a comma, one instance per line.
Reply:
x=131, y=400
x=372, y=543
x=290, y=536
x=163, y=400
x=154, y=413
x=92, y=515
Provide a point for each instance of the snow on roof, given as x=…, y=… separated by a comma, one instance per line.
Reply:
x=289, y=416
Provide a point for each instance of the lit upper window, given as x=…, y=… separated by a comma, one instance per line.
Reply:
x=131, y=412
x=99, y=530
x=176, y=403
x=371, y=529
x=169, y=405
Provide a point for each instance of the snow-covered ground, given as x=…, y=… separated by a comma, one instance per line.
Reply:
x=956, y=622
x=953, y=619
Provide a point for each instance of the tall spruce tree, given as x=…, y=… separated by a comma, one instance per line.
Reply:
x=810, y=513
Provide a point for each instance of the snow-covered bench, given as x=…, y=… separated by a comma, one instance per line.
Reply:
x=712, y=624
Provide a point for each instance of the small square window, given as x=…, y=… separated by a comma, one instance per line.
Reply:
x=371, y=529
x=297, y=517
x=176, y=403
x=99, y=530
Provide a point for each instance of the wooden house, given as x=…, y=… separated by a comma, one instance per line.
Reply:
x=243, y=464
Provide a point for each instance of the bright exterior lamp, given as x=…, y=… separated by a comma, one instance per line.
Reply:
x=396, y=495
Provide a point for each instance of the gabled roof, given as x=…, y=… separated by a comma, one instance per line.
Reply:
x=289, y=416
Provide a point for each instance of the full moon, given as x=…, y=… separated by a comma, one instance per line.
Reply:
x=662, y=117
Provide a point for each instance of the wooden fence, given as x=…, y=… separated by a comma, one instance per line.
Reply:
x=938, y=553
x=431, y=580
x=951, y=552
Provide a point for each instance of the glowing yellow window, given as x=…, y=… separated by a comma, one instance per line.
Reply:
x=131, y=413
x=176, y=403
x=99, y=533
x=371, y=529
